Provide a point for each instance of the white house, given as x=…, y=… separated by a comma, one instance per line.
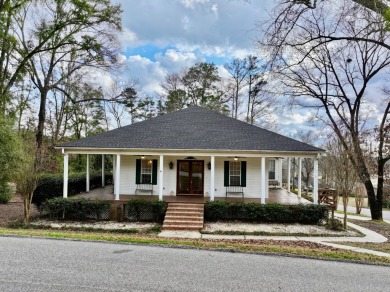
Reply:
x=193, y=151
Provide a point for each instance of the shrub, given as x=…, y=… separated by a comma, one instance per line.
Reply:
x=386, y=204
x=76, y=209
x=51, y=185
x=254, y=212
x=334, y=224
x=144, y=210
x=5, y=192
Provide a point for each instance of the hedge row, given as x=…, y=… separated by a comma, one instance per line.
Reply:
x=76, y=209
x=275, y=213
x=51, y=185
x=144, y=210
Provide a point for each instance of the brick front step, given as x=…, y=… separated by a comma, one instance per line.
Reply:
x=183, y=213
x=182, y=216
x=182, y=222
x=194, y=209
x=186, y=205
x=181, y=227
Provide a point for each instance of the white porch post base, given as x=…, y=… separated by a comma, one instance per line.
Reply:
x=212, y=178
x=87, y=178
x=315, y=182
x=288, y=174
x=161, y=178
x=299, y=177
x=262, y=181
x=117, y=176
x=66, y=168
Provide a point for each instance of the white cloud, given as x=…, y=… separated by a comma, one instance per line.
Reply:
x=192, y=3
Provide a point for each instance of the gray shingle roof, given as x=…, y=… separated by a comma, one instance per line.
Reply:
x=193, y=128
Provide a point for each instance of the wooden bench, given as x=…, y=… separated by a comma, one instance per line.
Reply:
x=235, y=190
x=144, y=188
x=273, y=183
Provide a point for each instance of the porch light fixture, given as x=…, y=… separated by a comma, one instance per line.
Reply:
x=170, y=165
x=235, y=158
x=142, y=156
x=209, y=165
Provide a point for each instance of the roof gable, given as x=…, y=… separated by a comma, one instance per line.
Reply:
x=193, y=128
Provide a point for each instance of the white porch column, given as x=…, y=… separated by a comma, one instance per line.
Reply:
x=299, y=177
x=212, y=178
x=315, y=182
x=267, y=162
x=103, y=172
x=66, y=167
x=288, y=174
x=263, y=184
x=87, y=178
x=280, y=165
x=117, y=176
x=161, y=178
x=113, y=169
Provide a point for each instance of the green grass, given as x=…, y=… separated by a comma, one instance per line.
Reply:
x=263, y=246
x=265, y=233
x=350, y=213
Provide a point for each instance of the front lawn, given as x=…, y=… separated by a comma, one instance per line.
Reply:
x=298, y=248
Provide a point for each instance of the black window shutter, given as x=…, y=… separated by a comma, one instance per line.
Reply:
x=226, y=174
x=138, y=171
x=243, y=173
x=154, y=172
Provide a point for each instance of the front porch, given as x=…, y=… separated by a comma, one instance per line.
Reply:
x=278, y=196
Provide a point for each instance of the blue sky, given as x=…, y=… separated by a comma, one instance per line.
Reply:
x=161, y=37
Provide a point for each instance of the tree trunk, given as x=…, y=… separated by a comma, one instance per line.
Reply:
x=41, y=126
x=345, y=207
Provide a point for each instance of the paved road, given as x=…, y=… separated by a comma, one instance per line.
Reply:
x=365, y=211
x=58, y=265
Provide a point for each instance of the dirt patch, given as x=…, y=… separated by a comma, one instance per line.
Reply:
x=13, y=211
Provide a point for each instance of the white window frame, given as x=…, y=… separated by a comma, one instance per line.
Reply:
x=146, y=169
x=232, y=163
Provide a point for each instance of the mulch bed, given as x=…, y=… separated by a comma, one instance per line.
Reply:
x=13, y=211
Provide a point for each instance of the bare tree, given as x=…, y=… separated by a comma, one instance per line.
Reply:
x=238, y=70
x=87, y=39
x=332, y=79
x=307, y=163
x=343, y=175
x=116, y=104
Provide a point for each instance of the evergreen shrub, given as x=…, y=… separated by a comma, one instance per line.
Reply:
x=76, y=209
x=269, y=213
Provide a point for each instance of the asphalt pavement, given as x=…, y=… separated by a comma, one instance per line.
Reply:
x=365, y=211
x=30, y=264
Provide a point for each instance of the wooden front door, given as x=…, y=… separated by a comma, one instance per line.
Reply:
x=190, y=176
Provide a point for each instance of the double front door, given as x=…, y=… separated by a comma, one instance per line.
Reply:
x=190, y=177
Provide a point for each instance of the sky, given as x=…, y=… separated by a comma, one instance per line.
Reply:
x=162, y=37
